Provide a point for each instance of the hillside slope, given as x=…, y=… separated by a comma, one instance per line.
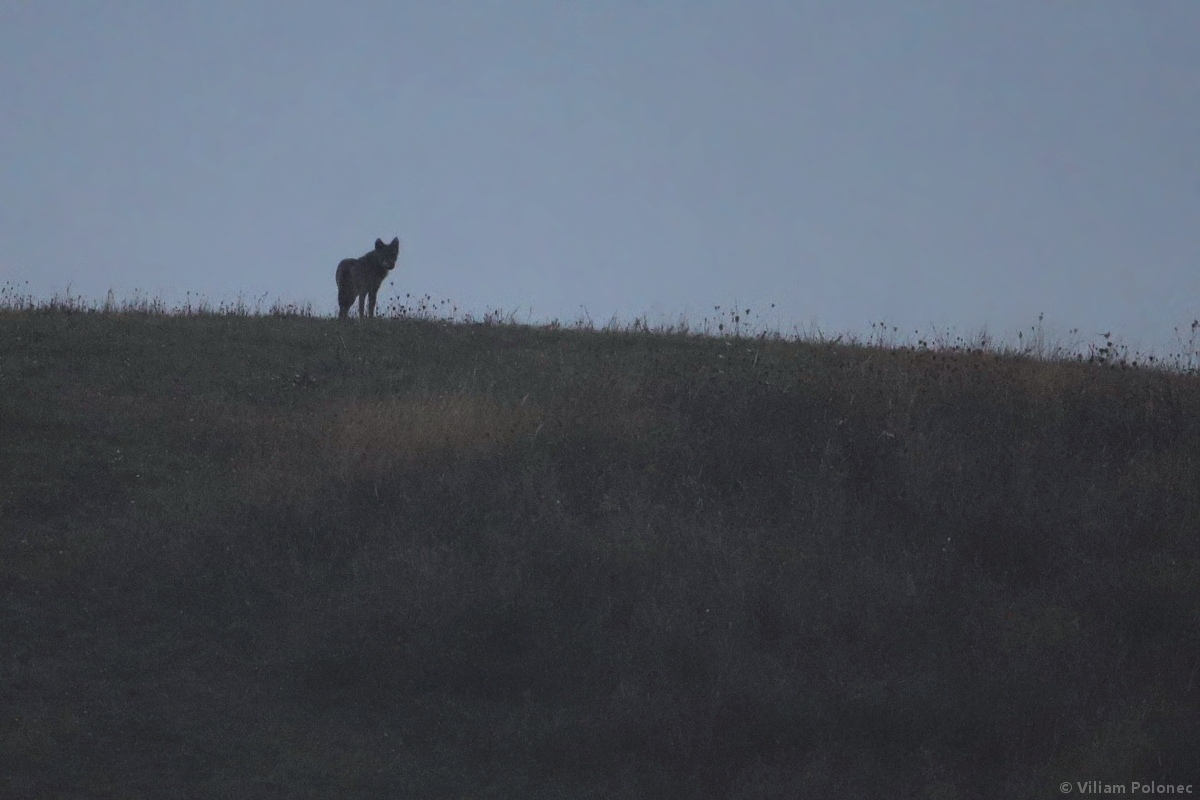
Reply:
x=258, y=556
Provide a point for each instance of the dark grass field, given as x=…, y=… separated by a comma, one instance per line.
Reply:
x=275, y=556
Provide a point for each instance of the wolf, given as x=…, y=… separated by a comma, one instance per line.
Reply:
x=361, y=277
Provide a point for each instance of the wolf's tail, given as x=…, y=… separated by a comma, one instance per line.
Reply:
x=345, y=283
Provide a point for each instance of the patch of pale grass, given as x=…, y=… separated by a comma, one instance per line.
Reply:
x=373, y=437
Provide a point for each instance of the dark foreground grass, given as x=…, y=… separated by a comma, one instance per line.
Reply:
x=256, y=556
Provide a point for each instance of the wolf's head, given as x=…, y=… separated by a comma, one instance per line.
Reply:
x=387, y=253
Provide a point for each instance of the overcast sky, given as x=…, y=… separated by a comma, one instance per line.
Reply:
x=932, y=165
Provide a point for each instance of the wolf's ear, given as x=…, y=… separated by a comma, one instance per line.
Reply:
x=395, y=242
x=379, y=244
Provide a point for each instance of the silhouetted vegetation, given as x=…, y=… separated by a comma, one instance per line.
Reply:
x=255, y=553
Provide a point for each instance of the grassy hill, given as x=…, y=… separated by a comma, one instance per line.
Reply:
x=279, y=556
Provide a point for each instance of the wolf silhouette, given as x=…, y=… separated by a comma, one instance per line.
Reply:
x=361, y=277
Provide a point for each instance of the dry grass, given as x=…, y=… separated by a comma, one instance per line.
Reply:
x=371, y=438
x=277, y=556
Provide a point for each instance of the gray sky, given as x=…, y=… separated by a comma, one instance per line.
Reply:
x=931, y=165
